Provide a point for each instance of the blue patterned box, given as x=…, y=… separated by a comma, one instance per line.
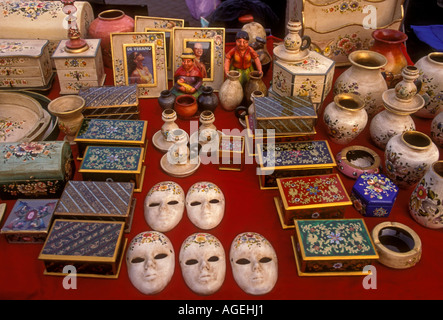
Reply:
x=373, y=195
x=94, y=248
x=29, y=220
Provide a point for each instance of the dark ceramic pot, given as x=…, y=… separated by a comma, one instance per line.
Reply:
x=166, y=100
x=207, y=100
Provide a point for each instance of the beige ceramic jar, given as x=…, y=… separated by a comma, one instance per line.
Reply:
x=231, y=91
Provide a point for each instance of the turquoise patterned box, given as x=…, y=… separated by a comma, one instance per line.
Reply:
x=94, y=248
x=332, y=247
x=99, y=132
x=110, y=163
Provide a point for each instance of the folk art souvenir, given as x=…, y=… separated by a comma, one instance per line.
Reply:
x=354, y=160
x=160, y=139
x=231, y=91
x=437, y=129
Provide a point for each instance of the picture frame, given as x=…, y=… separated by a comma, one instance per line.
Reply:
x=156, y=41
x=166, y=25
x=140, y=65
x=214, y=40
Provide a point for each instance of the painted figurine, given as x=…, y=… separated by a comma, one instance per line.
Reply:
x=188, y=78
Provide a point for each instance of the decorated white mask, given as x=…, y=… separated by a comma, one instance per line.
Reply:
x=254, y=263
x=203, y=263
x=151, y=261
x=205, y=205
x=164, y=206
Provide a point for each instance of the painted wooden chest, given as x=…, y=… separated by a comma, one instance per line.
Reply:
x=332, y=247
x=111, y=163
x=25, y=64
x=79, y=70
x=374, y=195
x=29, y=220
x=231, y=153
x=102, y=132
x=292, y=159
x=93, y=248
x=38, y=169
x=97, y=200
x=311, y=197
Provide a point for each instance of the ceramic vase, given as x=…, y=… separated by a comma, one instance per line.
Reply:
x=207, y=130
x=166, y=100
x=389, y=43
x=254, y=94
x=408, y=156
x=168, y=116
x=68, y=109
x=231, y=91
x=437, y=130
x=107, y=22
x=186, y=106
x=178, y=154
x=255, y=83
x=207, y=100
x=364, y=77
x=425, y=204
x=345, y=118
x=431, y=78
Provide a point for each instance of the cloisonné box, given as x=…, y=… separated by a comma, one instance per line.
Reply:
x=311, y=197
x=25, y=64
x=79, y=70
x=29, y=220
x=38, y=169
x=111, y=163
x=332, y=247
x=374, y=195
x=97, y=200
x=111, y=102
x=101, y=132
x=94, y=248
x=293, y=159
x=231, y=153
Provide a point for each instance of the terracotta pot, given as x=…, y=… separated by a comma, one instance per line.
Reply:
x=231, y=91
x=186, y=106
x=107, y=22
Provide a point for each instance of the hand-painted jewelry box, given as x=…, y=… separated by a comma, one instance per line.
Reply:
x=293, y=159
x=25, y=64
x=38, y=169
x=29, y=220
x=93, y=248
x=231, y=153
x=111, y=102
x=332, y=247
x=79, y=70
x=110, y=163
x=101, y=132
x=311, y=197
x=374, y=195
x=97, y=200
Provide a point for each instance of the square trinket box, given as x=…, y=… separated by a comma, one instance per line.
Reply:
x=332, y=247
x=102, y=132
x=29, y=220
x=231, y=153
x=97, y=200
x=110, y=163
x=293, y=159
x=373, y=195
x=311, y=197
x=94, y=248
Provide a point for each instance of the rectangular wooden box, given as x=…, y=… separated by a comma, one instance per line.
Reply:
x=97, y=200
x=332, y=247
x=102, y=132
x=311, y=197
x=29, y=220
x=111, y=163
x=94, y=248
x=38, y=169
x=374, y=195
x=293, y=159
x=25, y=63
x=231, y=153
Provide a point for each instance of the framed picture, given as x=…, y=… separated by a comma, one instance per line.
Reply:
x=212, y=42
x=204, y=56
x=140, y=64
x=152, y=51
x=166, y=25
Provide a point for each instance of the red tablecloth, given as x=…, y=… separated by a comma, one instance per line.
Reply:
x=248, y=208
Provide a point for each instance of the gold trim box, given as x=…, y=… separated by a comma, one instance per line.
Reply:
x=332, y=247
x=94, y=248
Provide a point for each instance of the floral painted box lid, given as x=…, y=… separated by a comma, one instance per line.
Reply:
x=22, y=48
x=333, y=247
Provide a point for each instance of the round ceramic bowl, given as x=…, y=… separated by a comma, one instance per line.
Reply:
x=354, y=160
x=398, y=246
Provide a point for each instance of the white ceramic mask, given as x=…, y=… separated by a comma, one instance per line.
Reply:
x=164, y=206
x=205, y=205
x=254, y=263
x=203, y=263
x=151, y=261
